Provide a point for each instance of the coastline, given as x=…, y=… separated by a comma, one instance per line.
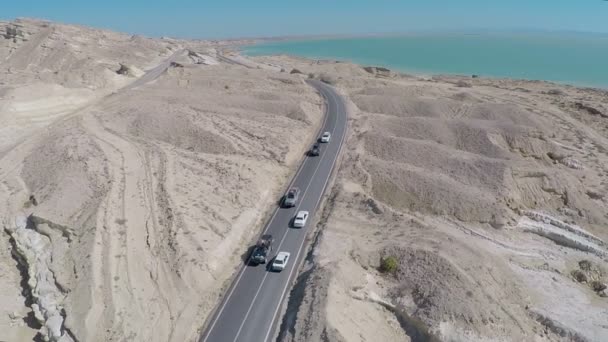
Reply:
x=426, y=74
x=319, y=48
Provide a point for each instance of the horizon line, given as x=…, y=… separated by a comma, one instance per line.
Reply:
x=469, y=30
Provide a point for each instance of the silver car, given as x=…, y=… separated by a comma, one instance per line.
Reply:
x=300, y=220
x=326, y=137
x=280, y=261
x=291, y=198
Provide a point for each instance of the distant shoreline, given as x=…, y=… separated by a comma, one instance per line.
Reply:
x=518, y=56
x=423, y=74
x=430, y=75
x=416, y=33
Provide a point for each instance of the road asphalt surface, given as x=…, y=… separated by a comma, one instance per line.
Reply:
x=249, y=311
x=229, y=60
x=154, y=73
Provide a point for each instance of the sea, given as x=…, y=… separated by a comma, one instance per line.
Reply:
x=579, y=59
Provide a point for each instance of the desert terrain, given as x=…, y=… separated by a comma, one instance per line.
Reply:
x=134, y=173
x=128, y=200
x=487, y=195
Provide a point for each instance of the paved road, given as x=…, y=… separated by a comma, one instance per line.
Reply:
x=249, y=312
x=228, y=60
x=154, y=73
x=235, y=61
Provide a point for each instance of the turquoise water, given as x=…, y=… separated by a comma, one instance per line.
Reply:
x=579, y=59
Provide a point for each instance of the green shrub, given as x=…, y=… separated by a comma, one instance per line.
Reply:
x=389, y=264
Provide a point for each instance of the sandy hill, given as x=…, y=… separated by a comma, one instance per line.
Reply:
x=50, y=69
x=487, y=195
x=128, y=196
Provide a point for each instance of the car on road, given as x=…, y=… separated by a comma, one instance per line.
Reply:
x=300, y=220
x=261, y=250
x=291, y=198
x=315, y=150
x=280, y=261
x=326, y=137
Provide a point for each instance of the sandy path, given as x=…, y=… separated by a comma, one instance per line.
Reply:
x=22, y=58
x=126, y=218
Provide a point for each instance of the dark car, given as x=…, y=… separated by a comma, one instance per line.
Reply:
x=291, y=198
x=315, y=150
x=262, y=249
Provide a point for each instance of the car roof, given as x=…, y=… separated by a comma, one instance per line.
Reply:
x=302, y=213
x=283, y=255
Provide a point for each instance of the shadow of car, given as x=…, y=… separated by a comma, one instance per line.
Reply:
x=315, y=150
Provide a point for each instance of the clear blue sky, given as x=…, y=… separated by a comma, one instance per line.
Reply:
x=239, y=18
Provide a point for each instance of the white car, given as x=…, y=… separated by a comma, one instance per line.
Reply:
x=300, y=220
x=280, y=261
x=326, y=137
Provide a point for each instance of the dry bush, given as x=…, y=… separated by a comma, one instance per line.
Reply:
x=389, y=264
x=579, y=276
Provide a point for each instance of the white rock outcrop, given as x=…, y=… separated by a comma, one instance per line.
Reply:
x=34, y=251
x=572, y=163
x=561, y=232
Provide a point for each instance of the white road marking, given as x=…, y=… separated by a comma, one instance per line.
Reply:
x=302, y=243
x=278, y=250
x=244, y=267
x=269, y=224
